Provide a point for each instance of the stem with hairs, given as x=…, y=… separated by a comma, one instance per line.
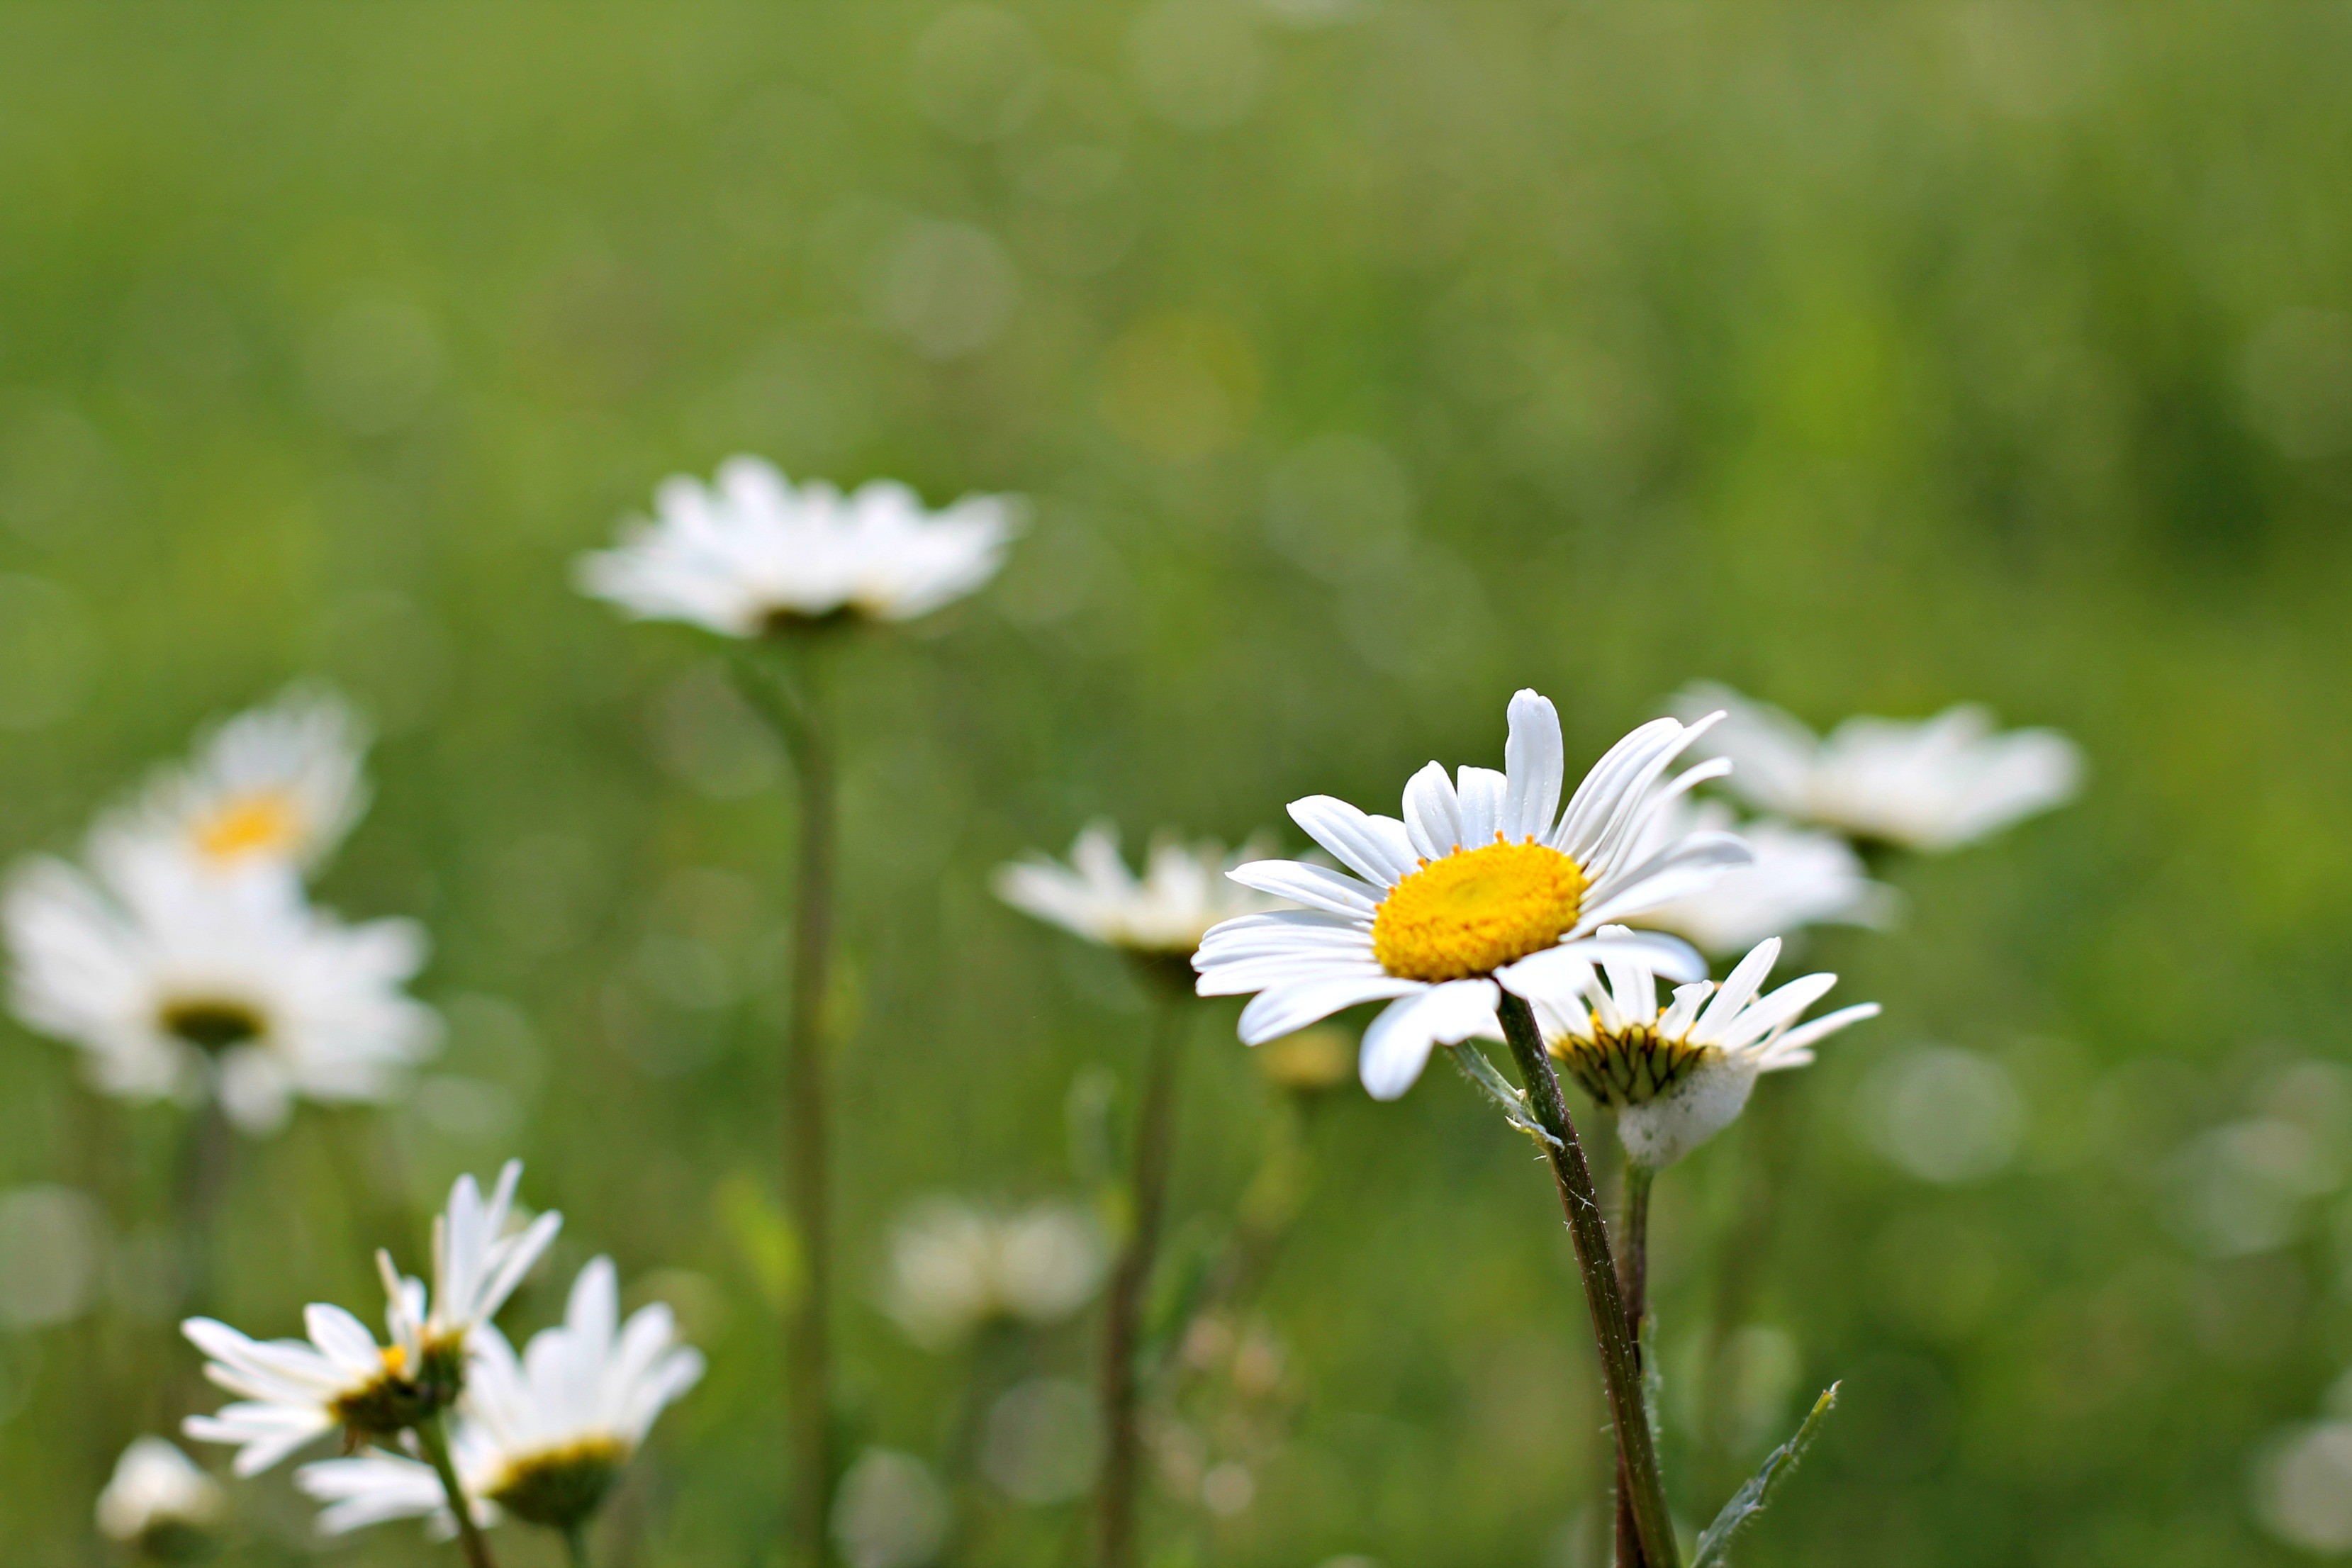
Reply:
x=795, y=712
x=1621, y=1368
x=434, y=1439
x=1633, y=1285
x=1115, y=1533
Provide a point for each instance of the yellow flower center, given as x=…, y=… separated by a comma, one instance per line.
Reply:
x=1477, y=909
x=264, y=824
x=1630, y=1067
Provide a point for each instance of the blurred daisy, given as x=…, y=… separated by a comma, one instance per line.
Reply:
x=294, y=1391
x=278, y=786
x=1485, y=881
x=1801, y=877
x=176, y=983
x=753, y=554
x=160, y=1503
x=1677, y=1077
x=1183, y=892
x=1930, y=784
x=542, y=1438
x=954, y=1267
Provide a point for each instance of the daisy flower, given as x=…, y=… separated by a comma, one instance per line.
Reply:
x=159, y=1503
x=278, y=786
x=295, y=1391
x=1930, y=784
x=1801, y=877
x=1184, y=890
x=1485, y=882
x=542, y=1438
x=954, y=1267
x=1677, y=1075
x=176, y=982
x=754, y=553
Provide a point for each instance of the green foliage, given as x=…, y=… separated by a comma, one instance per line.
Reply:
x=1715, y=1544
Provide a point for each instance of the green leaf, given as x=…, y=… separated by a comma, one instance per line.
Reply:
x=1473, y=1065
x=1715, y=1546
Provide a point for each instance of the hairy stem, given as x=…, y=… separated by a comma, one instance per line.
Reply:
x=434, y=1439
x=798, y=720
x=1620, y=1363
x=1114, y=1537
x=1633, y=1285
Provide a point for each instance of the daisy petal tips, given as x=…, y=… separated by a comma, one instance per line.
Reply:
x=1484, y=878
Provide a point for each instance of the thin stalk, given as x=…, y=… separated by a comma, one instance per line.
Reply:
x=1621, y=1368
x=575, y=1543
x=207, y=1148
x=434, y=1441
x=798, y=718
x=1633, y=1284
x=1155, y=1133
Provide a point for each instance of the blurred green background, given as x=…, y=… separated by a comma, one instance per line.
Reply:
x=1366, y=361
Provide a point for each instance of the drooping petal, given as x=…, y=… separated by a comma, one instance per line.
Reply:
x=1289, y=1008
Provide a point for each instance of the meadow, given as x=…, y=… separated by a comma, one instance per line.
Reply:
x=1361, y=361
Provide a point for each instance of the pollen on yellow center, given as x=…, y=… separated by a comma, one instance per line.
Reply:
x=266, y=823
x=1476, y=911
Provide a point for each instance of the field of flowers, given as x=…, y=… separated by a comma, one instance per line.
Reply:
x=702, y=600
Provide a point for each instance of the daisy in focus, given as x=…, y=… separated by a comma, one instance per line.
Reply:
x=1677, y=1075
x=955, y=1268
x=160, y=1504
x=542, y=1438
x=295, y=1391
x=754, y=553
x=179, y=983
x=1801, y=877
x=1929, y=785
x=278, y=786
x=1485, y=882
x=1183, y=892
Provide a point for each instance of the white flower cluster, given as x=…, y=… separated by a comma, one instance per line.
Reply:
x=185, y=958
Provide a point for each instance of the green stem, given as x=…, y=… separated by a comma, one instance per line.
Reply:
x=1633, y=1285
x=575, y=1543
x=1114, y=1535
x=434, y=1441
x=798, y=720
x=1620, y=1362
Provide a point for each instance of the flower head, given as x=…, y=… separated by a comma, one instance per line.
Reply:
x=1183, y=892
x=542, y=1436
x=1930, y=784
x=1485, y=882
x=954, y=1267
x=1801, y=877
x=159, y=1503
x=176, y=981
x=295, y=1391
x=1677, y=1075
x=278, y=786
x=753, y=551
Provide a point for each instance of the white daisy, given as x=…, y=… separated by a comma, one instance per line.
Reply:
x=1930, y=783
x=1677, y=1077
x=176, y=982
x=159, y=1502
x=1183, y=892
x=1485, y=881
x=542, y=1438
x=954, y=1267
x=754, y=553
x=279, y=785
x=294, y=1392
x=1802, y=877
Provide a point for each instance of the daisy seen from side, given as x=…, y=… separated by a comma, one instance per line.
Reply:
x=1677, y=1074
x=340, y=1378
x=1485, y=884
x=160, y=1503
x=178, y=983
x=754, y=553
x=1930, y=784
x=1185, y=889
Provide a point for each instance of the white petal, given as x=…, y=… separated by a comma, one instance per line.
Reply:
x=1482, y=792
x=1291, y=1008
x=1397, y=1046
x=1315, y=886
x=1433, y=815
x=1536, y=762
x=1375, y=847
